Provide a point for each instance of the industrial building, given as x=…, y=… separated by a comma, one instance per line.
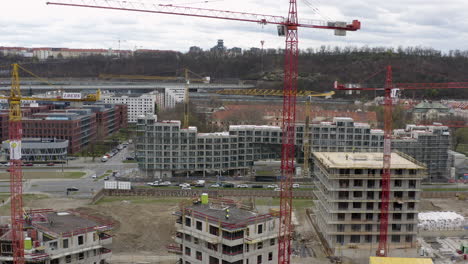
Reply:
x=224, y=232
x=40, y=149
x=60, y=237
x=165, y=149
x=347, y=211
x=138, y=104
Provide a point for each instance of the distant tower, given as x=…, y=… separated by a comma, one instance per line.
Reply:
x=220, y=45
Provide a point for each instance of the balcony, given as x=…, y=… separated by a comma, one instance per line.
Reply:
x=105, y=239
x=105, y=253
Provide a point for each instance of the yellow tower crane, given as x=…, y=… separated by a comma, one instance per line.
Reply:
x=15, y=135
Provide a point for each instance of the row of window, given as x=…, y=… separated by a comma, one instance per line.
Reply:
x=374, y=239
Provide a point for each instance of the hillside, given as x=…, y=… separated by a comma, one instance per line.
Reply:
x=318, y=68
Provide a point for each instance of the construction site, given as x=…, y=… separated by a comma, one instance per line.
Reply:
x=339, y=191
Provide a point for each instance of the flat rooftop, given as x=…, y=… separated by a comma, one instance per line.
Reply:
x=237, y=217
x=363, y=160
x=64, y=222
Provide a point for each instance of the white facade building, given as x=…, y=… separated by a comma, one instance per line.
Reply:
x=173, y=96
x=137, y=105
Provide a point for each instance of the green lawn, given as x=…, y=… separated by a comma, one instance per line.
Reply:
x=46, y=175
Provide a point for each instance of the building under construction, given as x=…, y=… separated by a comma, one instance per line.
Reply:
x=221, y=231
x=60, y=237
x=347, y=212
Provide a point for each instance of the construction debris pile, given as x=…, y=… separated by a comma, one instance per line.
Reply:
x=441, y=221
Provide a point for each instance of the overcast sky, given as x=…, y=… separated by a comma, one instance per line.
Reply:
x=392, y=23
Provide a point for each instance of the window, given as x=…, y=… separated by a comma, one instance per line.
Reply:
x=199, y=225
x=188, y=221
x=187, y=251
x=340, y=228
x=198, y=255
x=368, y=228
x=395, y=238
x=409, y=238
x=188, y=237
x=357, y=194
x=355, y=216
x=259, y=259
x=370, y=206
x=260, y=229
x=80, y=240
x=53, y=245
x=341, y=217
x=368, y=238
x=398, y=183
x=68, y=259
x=195, y=240
x=356, y=205
x=57, y=261
x=65, y=243
x=259, y=245
x=81, y=255
x=213, y=260
x=355, y=239
x=369, y=217
x=340, y=239
x=396, y=227
x=214, y=230
x=357, y=183
x=356, y=228
x=272, y=242
x=410, y=216
x=270, y=256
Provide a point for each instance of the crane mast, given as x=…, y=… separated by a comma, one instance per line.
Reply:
x=387, y=154
x=289, y=130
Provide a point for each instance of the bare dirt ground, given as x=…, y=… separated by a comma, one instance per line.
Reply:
x=440, y=204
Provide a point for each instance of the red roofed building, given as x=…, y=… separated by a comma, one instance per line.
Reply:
x=272, y=115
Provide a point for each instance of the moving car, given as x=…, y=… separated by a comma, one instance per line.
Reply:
x=272, y=186
x=165, y=183
x=242, y=186
x=216, y=185
x=72, y=189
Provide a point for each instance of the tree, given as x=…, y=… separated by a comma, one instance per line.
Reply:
x=460, y=137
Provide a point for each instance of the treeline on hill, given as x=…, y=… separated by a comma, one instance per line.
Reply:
x=318, y=68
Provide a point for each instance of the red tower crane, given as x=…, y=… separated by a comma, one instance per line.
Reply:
x=286, y=26
x=390, y=93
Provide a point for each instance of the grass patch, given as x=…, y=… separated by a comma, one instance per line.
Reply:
x=27, y=198
x=129, y=161
x=46, y=175
x=462, y=148
x=141, y=200
x=108, y=171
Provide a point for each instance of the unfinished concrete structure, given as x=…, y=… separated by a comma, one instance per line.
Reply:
x=347, y=212
x=223, y=232
x=60, y=237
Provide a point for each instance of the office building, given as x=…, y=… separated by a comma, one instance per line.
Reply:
x=40, y=149
x=137, y=104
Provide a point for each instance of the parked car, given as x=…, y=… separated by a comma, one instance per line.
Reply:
x=296, y=185
x=28, y=164
x=186, y=188
x=242, y=186
x=272, y=186
x=165, y=183
x=156, y=183
x=72, y=189
x=106, y=178
x=51, y=164
x=94, y=176
x=228, y=185
x=216, y=185
x=257, y=186
x=277, y=189
x=184, y=185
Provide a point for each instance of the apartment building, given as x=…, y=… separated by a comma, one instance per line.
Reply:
x=347, y=211
x=138, y=104
x=60, y=237
x=173, y=96
x=221, y=232
x=167, y=149
x=110, y=118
